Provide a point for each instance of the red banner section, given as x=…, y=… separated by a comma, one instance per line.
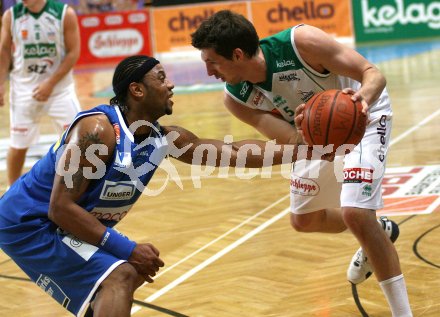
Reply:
x=110, y=37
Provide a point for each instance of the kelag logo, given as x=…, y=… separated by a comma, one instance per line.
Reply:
x=395, y=19
x=399, y=12
x=40, y=50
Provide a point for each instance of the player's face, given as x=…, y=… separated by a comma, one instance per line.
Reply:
x=33, y=4
x=159, y=91
x=222, y=68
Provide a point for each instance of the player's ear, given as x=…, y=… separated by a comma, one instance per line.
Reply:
x=237, y=54
x=135, y=89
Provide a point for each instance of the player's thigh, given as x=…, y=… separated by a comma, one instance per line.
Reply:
x=68, y=269
x=314, y=186
x=25, y=116
x=63, y=108
x=364, y=168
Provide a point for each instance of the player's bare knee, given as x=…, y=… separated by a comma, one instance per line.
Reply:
x=357, y=219
x=301, y=223
x=124, y=276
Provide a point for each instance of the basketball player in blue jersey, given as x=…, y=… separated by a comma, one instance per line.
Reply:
x=267, y=83
x=56, y=221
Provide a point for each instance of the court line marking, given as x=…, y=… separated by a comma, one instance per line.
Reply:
x=221, y=236
x=137, y=308
x=213, y=258
x=218, y=255
x=415, y=127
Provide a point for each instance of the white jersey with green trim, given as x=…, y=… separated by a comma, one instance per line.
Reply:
x=290, y=81
x=38, y=46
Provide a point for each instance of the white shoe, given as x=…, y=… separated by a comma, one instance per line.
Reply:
x=360, y=268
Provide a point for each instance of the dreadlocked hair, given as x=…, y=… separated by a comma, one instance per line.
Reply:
x=122, y=71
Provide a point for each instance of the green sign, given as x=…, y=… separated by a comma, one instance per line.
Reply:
x=395, y=19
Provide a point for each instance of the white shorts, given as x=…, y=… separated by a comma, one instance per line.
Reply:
x=26, y=113
x=353, y=180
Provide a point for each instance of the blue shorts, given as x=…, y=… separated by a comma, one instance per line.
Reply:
x=67, y=269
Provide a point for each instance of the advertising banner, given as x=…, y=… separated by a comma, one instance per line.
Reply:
x=332, y=16
x=395, y=19
x=110, y=37
x=173, y=25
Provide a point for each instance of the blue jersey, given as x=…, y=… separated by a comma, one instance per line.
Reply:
x=66, y=268
x=115, y=186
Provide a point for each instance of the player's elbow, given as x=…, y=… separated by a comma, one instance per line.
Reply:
x=55, y=211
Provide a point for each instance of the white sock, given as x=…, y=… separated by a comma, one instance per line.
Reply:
x=397, y=296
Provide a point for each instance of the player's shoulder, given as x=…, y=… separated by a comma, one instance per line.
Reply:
x=239, y=92
x=277, y=38
x=95, y=128
x=55, y=8
x=17, y=10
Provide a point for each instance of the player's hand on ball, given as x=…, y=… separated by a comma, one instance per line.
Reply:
x=299, y=117
x=356, y=96
x=145, y=259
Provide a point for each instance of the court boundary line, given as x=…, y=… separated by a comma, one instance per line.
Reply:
x=213, y=258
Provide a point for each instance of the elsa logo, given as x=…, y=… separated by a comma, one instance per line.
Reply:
x=414, y=13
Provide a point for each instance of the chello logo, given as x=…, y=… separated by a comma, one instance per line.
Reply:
x=182, y=22
x=308, y=10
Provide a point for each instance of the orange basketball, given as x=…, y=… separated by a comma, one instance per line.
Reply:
x=331, y=117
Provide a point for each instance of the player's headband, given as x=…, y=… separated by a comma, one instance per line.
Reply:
x=136, y=76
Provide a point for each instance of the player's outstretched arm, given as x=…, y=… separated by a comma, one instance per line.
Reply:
x=187, y=147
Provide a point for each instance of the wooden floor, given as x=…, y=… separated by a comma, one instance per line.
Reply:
x=227, y=243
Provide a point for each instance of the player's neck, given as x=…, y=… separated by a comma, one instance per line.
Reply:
x=131, y=117
x=37, y=6
x=257, y=68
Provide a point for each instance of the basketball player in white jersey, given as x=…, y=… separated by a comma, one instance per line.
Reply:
x=40, y=38
x=267, y=82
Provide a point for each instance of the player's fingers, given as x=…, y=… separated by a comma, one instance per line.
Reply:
x=349, y=91
x=148, y=279
x=298, y=119
x=159, y=262
x=154, y=249
x=300, y=108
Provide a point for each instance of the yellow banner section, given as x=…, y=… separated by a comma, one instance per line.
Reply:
x=172, y=26
x=332, y=16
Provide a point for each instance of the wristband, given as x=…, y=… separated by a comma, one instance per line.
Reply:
x=117, y=244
